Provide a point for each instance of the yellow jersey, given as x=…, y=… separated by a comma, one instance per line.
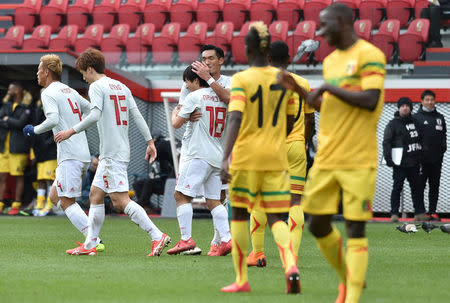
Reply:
x=298, y=132
x=347, y=134
x=265, y=104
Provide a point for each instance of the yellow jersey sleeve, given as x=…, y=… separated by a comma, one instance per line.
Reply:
x=372, y=69
x=237, y=95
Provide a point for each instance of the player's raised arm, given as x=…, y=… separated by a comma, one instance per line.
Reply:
x=367, y=99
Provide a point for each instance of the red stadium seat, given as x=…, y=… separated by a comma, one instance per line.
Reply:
x=402, y=10
x=131, y=13
x=79, y=13
x=13, y=38
x=324, y=49
x=40, y=38
x=353, y=4
x=290, y=11
x=412, y=43
x=305, y=30
x=372, y=10
x=238, y=45
x=25, y=15
x=92, y=37
x=264, y=10
x=210, y=12
x=139, y=46
x=312, y=8
x=53, y=13
x=182, y=12
x=164, y=46
x=237, y=11
x=105, y=13
x=189, y=45
x=279, y=30
x=363, y=29
x=157, y=12
x=66, y=38
x=113, y=45
x=221, y=37
x=386, y=38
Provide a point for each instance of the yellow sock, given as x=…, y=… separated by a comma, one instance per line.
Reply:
x=2, y=205
x=49, y=204
x=357, y=257
x=296, y=223
x=258, y=221
x=239, y=235
x=40, y=201
x=16, y=204
x=281, y=236
x=331, y=248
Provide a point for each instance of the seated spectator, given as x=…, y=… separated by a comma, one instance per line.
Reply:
x=436, y=12
x=402, y=133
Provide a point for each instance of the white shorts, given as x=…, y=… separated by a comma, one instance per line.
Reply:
x=68, y=178
x=111, y=176
x=196, y=174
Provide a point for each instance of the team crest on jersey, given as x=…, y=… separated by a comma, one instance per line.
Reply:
x=120, y=183
x=439, y=124
x=366, y=205
x=351, y=68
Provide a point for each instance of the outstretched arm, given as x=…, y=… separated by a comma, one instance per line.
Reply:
x=88, y=121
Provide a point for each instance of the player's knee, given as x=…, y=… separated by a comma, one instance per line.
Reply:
x=319, y=226
x=356, y=229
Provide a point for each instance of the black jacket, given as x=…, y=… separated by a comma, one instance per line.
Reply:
x=403, y=132
x=43, y=145
x=17, y=120
x=434, y=132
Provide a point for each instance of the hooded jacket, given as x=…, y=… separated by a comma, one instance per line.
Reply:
x=403, y=132
x=17, y=119
x=434, y=132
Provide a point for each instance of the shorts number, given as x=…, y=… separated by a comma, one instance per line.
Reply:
x=217, y=117
x=75, y=109
x=258, y=96
x=119, y=108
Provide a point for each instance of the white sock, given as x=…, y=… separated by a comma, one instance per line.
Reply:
x=49, y=189
x=95, y=222
x=41, y=192
x=78, y=218
x=138, y=215
x=220, y=219
x=216, y=239
x=184, y=216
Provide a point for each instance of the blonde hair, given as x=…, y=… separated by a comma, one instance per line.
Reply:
x=263, y=34
x=54, y=64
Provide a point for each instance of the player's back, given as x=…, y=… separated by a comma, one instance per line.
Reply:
x=261, y=143
x=114, y=99
x=298, y=130
x=66, y=102
x=206, y=141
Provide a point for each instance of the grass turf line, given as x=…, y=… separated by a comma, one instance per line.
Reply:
x=34, y=267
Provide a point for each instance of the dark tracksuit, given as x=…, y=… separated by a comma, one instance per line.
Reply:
x=17, y=120
x=404, y=132
x=434, y=144
x=43, y=145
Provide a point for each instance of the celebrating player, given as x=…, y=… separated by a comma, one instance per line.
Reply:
x=202, y=154
x=303, y=128
x=63, y=107
x=111, y=105
x=259, y=119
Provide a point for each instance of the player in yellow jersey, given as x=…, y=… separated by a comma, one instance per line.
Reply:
x=345, y=166
x=259, y=118
x=303, y=128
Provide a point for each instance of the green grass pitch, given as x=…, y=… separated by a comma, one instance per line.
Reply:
x=34, y=267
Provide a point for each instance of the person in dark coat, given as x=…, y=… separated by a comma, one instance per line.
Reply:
x=434, y=144
x=403, y=132
x=14, y=147
x=436, y=13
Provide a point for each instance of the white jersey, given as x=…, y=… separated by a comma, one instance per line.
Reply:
x=224, y=81
x=69, y=105
x=204, y=140
x=114, y=100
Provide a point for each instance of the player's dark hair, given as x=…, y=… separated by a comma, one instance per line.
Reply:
x=17, y=84
x=189, y=74
x=218, y=50
x=343, y=11
x=427, y=93
x=279, y=53
x=91, y=58
x=258, y=38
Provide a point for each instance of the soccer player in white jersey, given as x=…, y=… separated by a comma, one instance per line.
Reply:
x=111, y=105
x=203, y=147
x=63, y=108
x=209, y=70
